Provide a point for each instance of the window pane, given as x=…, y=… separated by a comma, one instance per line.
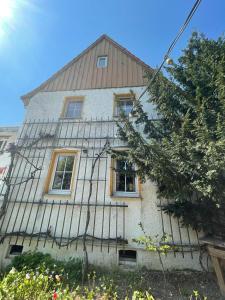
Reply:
x=74, y=109
x=61, y=163
x=69, y=163
x=120, y=165
x=57, y=183
x=66, y=181
x=130, y=183
x=120, y=182
x=124, y=106
x=63, y=173
x=102, y=62
x=125, y=176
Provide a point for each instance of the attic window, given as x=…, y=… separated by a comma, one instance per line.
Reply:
x=102, y=61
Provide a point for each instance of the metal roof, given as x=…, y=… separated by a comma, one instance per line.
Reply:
x=123, y=70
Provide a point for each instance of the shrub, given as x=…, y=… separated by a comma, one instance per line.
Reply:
x=71, y=270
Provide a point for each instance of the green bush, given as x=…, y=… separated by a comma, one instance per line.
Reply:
x=70, y=270
x=40, y=286
x=35, y=285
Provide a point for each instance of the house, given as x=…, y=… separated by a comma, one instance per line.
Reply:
x=65, y=186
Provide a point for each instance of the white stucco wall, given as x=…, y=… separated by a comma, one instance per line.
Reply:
x=104, y=256
x=97, y=103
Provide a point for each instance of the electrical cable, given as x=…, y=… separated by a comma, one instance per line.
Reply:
x=183, y=27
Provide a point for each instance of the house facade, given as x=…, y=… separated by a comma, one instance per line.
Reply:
x=66, y=187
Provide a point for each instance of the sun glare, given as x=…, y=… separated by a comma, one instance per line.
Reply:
x=7, y=8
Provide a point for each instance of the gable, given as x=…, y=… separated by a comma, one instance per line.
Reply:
x=123, y=70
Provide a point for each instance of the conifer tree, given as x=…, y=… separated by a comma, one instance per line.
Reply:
x=183, y=150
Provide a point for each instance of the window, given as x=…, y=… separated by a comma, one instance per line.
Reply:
x=125, y=176
x=127, y=257
x=61, y=172
x=74, y=109
x=15, y=249
x=102, y=61
x=124, y=179
x=123, y=104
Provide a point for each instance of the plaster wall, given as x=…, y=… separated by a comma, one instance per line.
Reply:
x=104, y=257
x=60, y=218
x=98, y=103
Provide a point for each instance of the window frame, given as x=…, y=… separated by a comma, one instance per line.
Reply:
x=121, y=194
x=98, y=60
x=67, y=100
x=52, y=169
x=122, y=97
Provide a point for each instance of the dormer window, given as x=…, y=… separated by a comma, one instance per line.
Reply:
x=102, y=61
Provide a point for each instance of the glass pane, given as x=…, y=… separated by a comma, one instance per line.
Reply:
x=61, y=163
x=69, y=163
x=74, y=109
x=120, y=182
x=130, y=183
x=129, y=166
x=57, y=183
x=124, y=106
x=102, y=62
x=66, y=181
x=120, y=165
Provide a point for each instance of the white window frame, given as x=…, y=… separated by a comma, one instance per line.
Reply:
x=105, y=57
x=59, y=191
x=134, y=194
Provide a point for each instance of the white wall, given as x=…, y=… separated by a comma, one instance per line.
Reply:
x=97, y=103
x=104, y=256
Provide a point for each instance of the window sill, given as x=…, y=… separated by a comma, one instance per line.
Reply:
x=126, y=196
x=70, y=119
x=57, y=196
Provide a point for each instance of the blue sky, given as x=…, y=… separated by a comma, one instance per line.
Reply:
x=43, y=35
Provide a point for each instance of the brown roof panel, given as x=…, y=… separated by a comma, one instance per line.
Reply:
x=123, y=70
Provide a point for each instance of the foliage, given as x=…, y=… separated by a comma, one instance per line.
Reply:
x=34, y=285
x=183, y=149
x=37, y=261
x=24, y=285
x=154, y=244
x=196, y=296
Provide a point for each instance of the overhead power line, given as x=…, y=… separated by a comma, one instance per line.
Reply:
x=183, y=27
